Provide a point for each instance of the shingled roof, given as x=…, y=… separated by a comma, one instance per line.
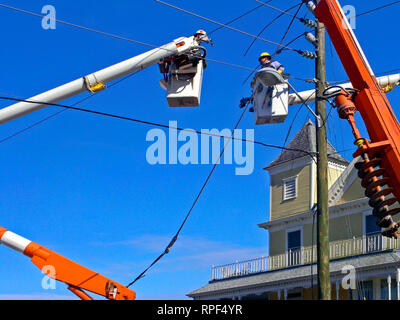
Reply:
x=305, y=140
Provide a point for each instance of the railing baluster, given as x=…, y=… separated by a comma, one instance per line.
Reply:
x=305, y=255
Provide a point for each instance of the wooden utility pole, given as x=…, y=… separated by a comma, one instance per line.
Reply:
x=324, y=287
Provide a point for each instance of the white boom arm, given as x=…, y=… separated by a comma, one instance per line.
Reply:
x=96, y=81
x=309, y=95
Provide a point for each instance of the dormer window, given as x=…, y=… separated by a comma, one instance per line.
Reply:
x=289, y=188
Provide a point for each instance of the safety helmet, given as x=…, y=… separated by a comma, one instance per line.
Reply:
x=263, y=55
x=200, y=32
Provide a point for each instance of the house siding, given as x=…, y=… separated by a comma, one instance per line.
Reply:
x=277, y=242
x=354, y=192
x=279, y=207
x=341, y=228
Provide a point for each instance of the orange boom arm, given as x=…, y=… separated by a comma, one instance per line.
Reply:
x=380, y=165
x=73, y=274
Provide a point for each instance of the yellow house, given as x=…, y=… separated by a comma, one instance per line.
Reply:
x=363, y=264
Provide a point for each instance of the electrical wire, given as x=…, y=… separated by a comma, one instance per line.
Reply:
x=294, y=118
x=116, y=36
x=277, y=9
x=376, y=9
x=220, y=24
x=291, y=41
x=269, y=24
x=140, y=42
x=286, y=32
x=311, y=154
x=239, y=17
x=194, y=203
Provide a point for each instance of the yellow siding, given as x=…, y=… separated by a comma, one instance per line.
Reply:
x=333, y=175
x=277, y=242
x=338, y=229
x=281, y=209
x=342, y=228
x=354, y=192
x=307, y=236
x=346, y=227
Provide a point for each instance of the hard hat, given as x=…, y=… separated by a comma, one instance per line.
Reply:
x=264, y=54
x=202, y=32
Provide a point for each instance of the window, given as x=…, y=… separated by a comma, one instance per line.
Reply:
x=384, y=289
x=294, y=255
x=289, y=188
x=294, y=240
x=370, y=225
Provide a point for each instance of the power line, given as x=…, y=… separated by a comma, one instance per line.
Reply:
x=167, y=249
x=220, y=24
x=378, y=8
x=137, y=42
x=269, y=24
x=239, y=17
x=286, y=32
x=277, y=9
x=291, y=41
x=311, y=154
x=79, y=26
x=115, y=36
x=61, y=111
x=294, y=118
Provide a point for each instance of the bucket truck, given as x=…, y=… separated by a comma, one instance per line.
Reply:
x=181, y=62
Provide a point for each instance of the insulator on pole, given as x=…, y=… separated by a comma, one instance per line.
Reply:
x=311, y=6
x=309, y=23
x=311, y=38
x=307, y=54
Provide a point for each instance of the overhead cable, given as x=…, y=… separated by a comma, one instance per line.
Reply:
x=239, y=17
x=269, y=24
x=153, y=123
x=172, y=242
x=220, y=24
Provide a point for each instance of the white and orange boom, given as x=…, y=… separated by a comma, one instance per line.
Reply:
x=77, y=277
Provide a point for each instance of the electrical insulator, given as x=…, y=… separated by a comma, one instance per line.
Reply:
x=308, y=54
x=311, y=38
x=311, y=6
x=309, y=23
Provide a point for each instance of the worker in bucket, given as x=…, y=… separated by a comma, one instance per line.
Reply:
x=265, y=61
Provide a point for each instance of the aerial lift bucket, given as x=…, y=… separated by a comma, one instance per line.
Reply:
x=184, y=85
x=269, y=77
x=270, y=97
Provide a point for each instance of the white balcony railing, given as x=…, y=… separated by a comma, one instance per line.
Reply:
x=306, y=255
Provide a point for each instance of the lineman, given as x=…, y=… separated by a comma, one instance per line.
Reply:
x=265, y=61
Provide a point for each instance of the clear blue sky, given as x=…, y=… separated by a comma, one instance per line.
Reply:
x=80, y=185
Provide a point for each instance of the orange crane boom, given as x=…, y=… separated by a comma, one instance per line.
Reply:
x=380, y=165
x=77, y=277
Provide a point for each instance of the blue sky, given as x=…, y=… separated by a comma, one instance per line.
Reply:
x=80, y=184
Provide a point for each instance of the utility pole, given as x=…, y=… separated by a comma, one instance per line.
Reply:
x=324, y=288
